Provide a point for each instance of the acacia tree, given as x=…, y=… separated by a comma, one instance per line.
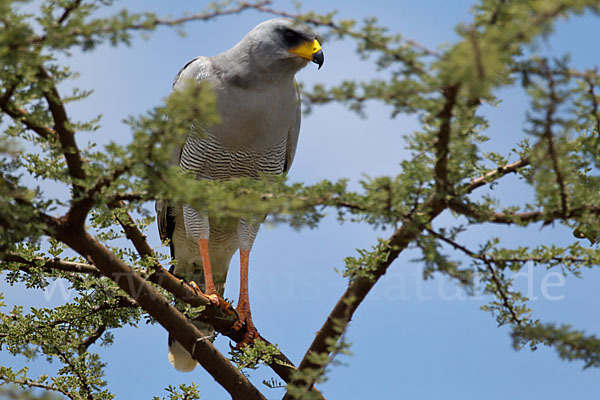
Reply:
x=107, y=193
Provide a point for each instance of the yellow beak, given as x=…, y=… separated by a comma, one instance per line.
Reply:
x=310, y=51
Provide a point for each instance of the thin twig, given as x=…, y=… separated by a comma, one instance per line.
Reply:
x=495, y=174
x=66, y=137
x=549, y=136
x=489, y=265
x=22, y=116
x=52, y=264
x=383, y=46
x=505, y=300
x=92, y=339
x=443, y=140
x=591, y=86
x=32, y=384
x=524, y=217
x=242, y=6
x=151, y=24
x=68, y=10
x=84, y=384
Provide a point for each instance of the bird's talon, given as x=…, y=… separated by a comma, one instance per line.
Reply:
x=195, y=288
x=237, y=325
x=214, y=299
x=232, y=310
x=225, y=306
x=248, y=339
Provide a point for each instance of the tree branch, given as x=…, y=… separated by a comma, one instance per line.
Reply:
x=92, y=339
x=357, y=290
x=282, y=365
x=66, y=135
x=32, y=384
x=150, y=24
x=549, y=136
x=488, y=262
x=495, y=174
x=160, y=309
x=67, y=10
x=51, y=264
x=513, y=218
x=84, y=384
x=22, y=116
x=591, y=87
x=442, y=145
x=500, y=290
x=204, y=16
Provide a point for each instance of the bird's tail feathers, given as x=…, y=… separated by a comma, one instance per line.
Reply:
x=179, y=357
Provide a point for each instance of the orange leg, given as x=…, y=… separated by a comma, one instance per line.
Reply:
x=209, y=288
x=243, y=307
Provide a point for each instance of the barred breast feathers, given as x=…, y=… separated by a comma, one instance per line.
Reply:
x=207, y=158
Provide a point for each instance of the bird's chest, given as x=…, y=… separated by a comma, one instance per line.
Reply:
x=256, y=118
x=251, y=138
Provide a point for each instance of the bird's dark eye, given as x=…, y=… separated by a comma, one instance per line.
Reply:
x=291, y=37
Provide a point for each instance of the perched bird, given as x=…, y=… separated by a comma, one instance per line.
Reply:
x=259, y=107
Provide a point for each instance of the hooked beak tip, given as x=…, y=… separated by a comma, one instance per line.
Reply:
x=318, y=58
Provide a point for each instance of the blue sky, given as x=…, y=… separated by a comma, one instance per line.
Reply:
x=411, y=339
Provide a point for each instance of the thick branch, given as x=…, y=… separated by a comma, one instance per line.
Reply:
x=282, y=365
x=159, y=308
x=66, y=137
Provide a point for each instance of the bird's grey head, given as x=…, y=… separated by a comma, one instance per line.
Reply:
x=281, y=43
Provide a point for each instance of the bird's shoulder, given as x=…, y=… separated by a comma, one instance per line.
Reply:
x=198, y=68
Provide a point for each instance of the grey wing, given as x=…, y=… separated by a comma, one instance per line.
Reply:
x=165, y=221
x=198, y=69
x=293, y=133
